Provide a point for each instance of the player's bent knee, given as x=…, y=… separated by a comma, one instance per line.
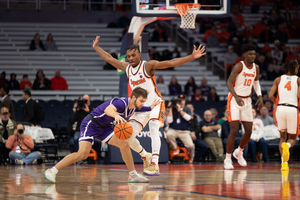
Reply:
x=124, y=144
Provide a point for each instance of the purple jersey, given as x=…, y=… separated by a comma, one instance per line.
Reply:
x=90, y=130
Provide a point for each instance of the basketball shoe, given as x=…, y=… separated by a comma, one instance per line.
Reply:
x=285, y=152
x=228, y=164
x=147, y=161
x=137, y=178
x=152, y=170
x=284, y=166
x=240, y=158
x=50, y=175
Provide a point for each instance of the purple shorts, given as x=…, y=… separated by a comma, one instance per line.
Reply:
x=89, y=131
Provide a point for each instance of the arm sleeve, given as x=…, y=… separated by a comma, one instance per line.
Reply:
x=257, y=88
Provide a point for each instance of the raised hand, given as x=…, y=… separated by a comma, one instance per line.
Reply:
x=96, y=41
x=197, y=53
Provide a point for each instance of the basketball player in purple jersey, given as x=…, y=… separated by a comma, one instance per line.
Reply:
x=98, y=124
x=141, y=74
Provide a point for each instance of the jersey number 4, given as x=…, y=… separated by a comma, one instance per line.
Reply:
x=288, y=86
x=247, y=82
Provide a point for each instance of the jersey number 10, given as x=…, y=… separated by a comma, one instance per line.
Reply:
x=288, y=86
x=247, y=82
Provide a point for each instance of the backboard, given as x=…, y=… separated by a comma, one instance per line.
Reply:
x=165, y=8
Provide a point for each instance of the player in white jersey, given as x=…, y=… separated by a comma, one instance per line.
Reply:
x=286, y=108
x=141, y=73
x=239, y=106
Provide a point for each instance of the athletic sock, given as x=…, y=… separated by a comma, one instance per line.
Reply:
x=132, y=173
x=228, y=155
x=155, y=159
x=240, y=149
x=143, y=153
x=289, y=144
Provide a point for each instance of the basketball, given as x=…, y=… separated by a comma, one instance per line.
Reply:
x=123, y=130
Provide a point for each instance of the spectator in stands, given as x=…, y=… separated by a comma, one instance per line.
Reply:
x=294, y=26
x=41, y=82
x=281, y=34
x=198, y=96
x=13, y=84
x=225, y=133
x=209, y=128
x=269, y=106
x=88, y=103
x=266, y=35
x=28, y=113
x=294, y=56
x=223, y=36
x=159, y=34
x=178, y=119
x=50, y=44
x=190, y=87
x=195, y=115
x=6, y=102
x=213, y=40
x=58, y=82
x=36, y=44
x=286, y=53
x=7, y=127
x=161, y=87
x=230, y=57
x=25, y=83
x=262, y=64
x=108, y=66
x=273, y=17
x=236, y=13
x=258, y=28
x=266, y=48
x=80, y=113
x=237, y=47
x=3, y=80
x=205, y=89
x=175, y=53
x=123, y=21
x=174, y=86
x=265, y=18
x=224, y=117
x=214, y=114
x=200, y=146
x=206, y=24
x=247, y=32
x=265, y=117
x=277, y=53
x=257, y=139
x=21, y=146
x=273, y=70
x=213, y=96
x=166, y=55
x=155, y=54
x=251, y=41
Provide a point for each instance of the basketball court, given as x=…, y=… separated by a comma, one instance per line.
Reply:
x=177, y=181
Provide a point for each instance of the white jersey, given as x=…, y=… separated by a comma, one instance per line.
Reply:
x=244, y=81
x=138, y=77
x=288, y=90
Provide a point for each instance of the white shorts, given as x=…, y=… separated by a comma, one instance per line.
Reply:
x=239, y=113
x=287, y=119
x=158, y=113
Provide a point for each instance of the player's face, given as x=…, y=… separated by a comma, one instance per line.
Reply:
x=139, y=102
x=133, y=57
x=250, y=56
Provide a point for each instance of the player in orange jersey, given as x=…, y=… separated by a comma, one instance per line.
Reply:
x=141, y=73
x=286, y=107
x=239, y=105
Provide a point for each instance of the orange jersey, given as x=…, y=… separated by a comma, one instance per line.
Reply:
x=288, y=90
x=138, y=77
x=244, y=80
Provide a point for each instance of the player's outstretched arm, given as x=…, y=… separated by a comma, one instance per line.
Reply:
x=197, y=53
x=107, y=57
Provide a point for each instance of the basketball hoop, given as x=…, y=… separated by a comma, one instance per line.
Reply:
x=188, y=13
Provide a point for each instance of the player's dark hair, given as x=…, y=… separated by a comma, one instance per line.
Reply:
x=290, y=66
x=137, y=92
x=248, y=47
x=132, y=47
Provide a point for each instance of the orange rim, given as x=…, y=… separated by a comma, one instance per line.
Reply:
x=182, y=8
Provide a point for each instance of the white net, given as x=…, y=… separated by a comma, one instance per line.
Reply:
x=188, y=13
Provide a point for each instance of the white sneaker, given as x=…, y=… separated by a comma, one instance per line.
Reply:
x=228, y=164
x=137, y=178
x=50, y=175
x=19, y=162
x=240, y=158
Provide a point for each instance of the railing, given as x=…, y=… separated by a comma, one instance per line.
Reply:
x=87, y=3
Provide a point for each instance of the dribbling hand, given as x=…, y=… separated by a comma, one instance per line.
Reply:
x=197, y=53
x=119, y=119
x=96, y=41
